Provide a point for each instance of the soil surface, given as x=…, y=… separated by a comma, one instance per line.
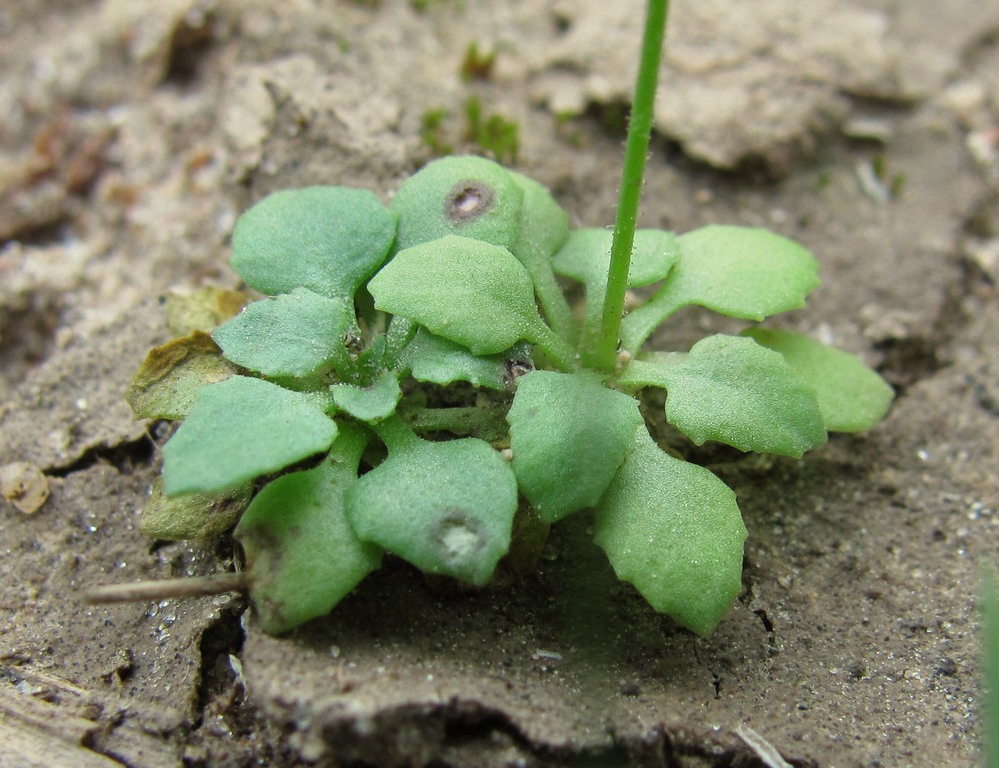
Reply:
x=132, y=132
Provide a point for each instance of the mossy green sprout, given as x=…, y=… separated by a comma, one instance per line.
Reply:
x=415, y=382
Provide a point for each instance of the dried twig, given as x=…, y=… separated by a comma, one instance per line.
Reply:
x=195, y=586
x=764, y=750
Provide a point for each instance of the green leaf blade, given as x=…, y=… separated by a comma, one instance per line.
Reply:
x=543, y=229
x=586, y=257
x=652, y=369
x=674, y=531
x=733, y=390
x=447, y=507
x=239, y=429
x=569, y=434
x=468, y=291
x=851, y=397
x=439, y=361
x=742, y=272
x=371, y=404
x=468, y=196
x=302, y=556
x=294, y=335
x=327, y=239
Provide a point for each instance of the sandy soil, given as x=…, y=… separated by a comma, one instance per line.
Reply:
x=132, y=132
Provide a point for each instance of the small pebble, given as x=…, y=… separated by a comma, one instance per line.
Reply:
x=24, y=485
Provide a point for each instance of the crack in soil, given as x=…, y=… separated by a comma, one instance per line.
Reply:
x=126, y=457
x=219, y=681
x=908, y=361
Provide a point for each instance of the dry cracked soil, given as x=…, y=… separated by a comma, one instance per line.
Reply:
x=132, y=132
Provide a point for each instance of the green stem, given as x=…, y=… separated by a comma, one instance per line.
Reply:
x=643, y=320
x=639, y=131
x=395, y=433
x=553, y=302
x=488, y=423
x=559, y=352
x=349, y=446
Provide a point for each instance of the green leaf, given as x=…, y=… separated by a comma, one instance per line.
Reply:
x=445, y=507
x=569, y=434
x=586, y=257
x=302, y=556
x=242, y=428
x=737, y=271
x=544, y=228
x=400, y=334
x=439, y=361
x=851, y=396
x=327, y=239
x=467, y=196
x=172, y=374
x=673, y=530
x=471, y=292
x=372, y=360
x=295, y=335
x=652, y=369
x=733, y=390
x=372, y=403
x=194, y=516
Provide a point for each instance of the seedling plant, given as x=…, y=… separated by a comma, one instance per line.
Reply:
x=414, y=381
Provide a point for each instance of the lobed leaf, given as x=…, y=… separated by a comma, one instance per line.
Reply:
x=242, y=428
x=543, y=229
x=302, y=556
x=398, y=336
x=741, y=272
x=851, y=396
x=372, y=403
x=569, y=434
x=327, y=239
x=372, y=360
x=586, y=257
x=652, y=369
x=544, y=225
x=295, y=335
x=172, y=374
x=469, y=291
x=735, y=391
x=434, y=359
x=468, y=196
x=445, y=507
x=673, y=530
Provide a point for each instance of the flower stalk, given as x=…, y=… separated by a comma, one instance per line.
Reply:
x=633, y=173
